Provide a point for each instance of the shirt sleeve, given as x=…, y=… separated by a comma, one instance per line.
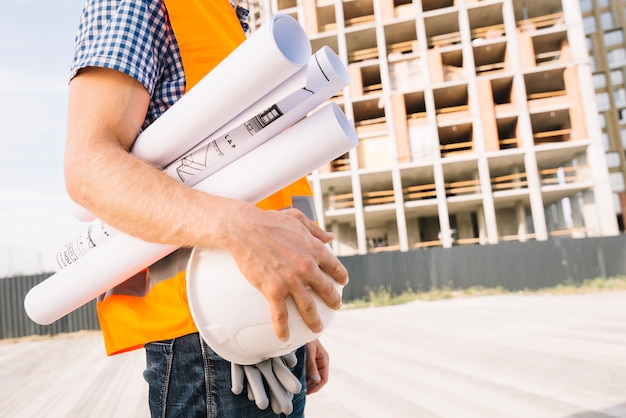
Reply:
x=129, y=36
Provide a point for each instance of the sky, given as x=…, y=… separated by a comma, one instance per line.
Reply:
x=36, y=49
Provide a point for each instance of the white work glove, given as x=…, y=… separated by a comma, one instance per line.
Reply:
x=282, y=383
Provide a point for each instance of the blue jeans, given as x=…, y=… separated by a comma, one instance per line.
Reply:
x=187, y=379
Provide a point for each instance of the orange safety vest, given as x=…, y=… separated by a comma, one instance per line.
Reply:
x=206, y=32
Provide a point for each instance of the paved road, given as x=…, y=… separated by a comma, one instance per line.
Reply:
x=494, y=356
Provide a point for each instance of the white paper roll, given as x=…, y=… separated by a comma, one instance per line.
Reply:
x=287, y=157
x=323, y=77
x=282, y=160
x=263, y=69
x=271, y=55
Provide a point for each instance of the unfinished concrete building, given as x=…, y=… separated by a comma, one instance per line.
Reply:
x=476, y=119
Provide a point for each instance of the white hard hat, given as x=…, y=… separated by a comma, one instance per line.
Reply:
x=233, y=317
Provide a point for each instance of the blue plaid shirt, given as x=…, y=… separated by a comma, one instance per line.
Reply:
x=135, y=37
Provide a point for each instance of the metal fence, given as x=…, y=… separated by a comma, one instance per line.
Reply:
x=15, y=323
x=511, y=265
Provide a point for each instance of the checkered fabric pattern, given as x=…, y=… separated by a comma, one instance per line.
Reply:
x=242, y=15
x=135, y=38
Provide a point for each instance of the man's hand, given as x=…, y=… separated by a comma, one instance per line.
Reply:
x=317, y=364
x=284, y=254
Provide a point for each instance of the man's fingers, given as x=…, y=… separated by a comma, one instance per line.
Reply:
x=312, y=373
x=279, y=315
x=331, y=265
x=308, y=310
x=313, y=227
x=319, y=283
x=326, y=289
x=316, y=366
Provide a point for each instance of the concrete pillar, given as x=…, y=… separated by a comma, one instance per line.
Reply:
x=487, y=115
x=387, y=11
x=359, y=219
x=591, y=215
x=401, y=224
x=356, y=80
x=398, y=110
x=520, y=51
x=334, y=228
x=560, y=216
x=489, y=210
x=536, y=199
x=435, y=65
x=602, y=192
x=482, y=229
x=577, y=106
x=310, y=16
x=526, y=50
x=578, y=220
x=522, y=228
x=442, y=205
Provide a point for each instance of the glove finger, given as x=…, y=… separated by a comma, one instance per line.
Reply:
x=236, y=378
x=250, y=393
x=286, y=378
x=276, y=389
x=255, y=382
x=290, y=359
x=281, y=407
x=275, y=404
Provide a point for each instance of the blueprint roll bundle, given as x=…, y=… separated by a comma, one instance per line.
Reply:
x=289, y=102
x=281, y=52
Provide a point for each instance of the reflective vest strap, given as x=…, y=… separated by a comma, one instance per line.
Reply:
x=202, y=47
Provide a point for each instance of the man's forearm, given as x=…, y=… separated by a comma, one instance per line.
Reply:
x=106, y=110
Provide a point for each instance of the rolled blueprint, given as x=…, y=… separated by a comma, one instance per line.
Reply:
x=272, y=54
x=304, y=147
x=95, y=234
x=323, y=77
